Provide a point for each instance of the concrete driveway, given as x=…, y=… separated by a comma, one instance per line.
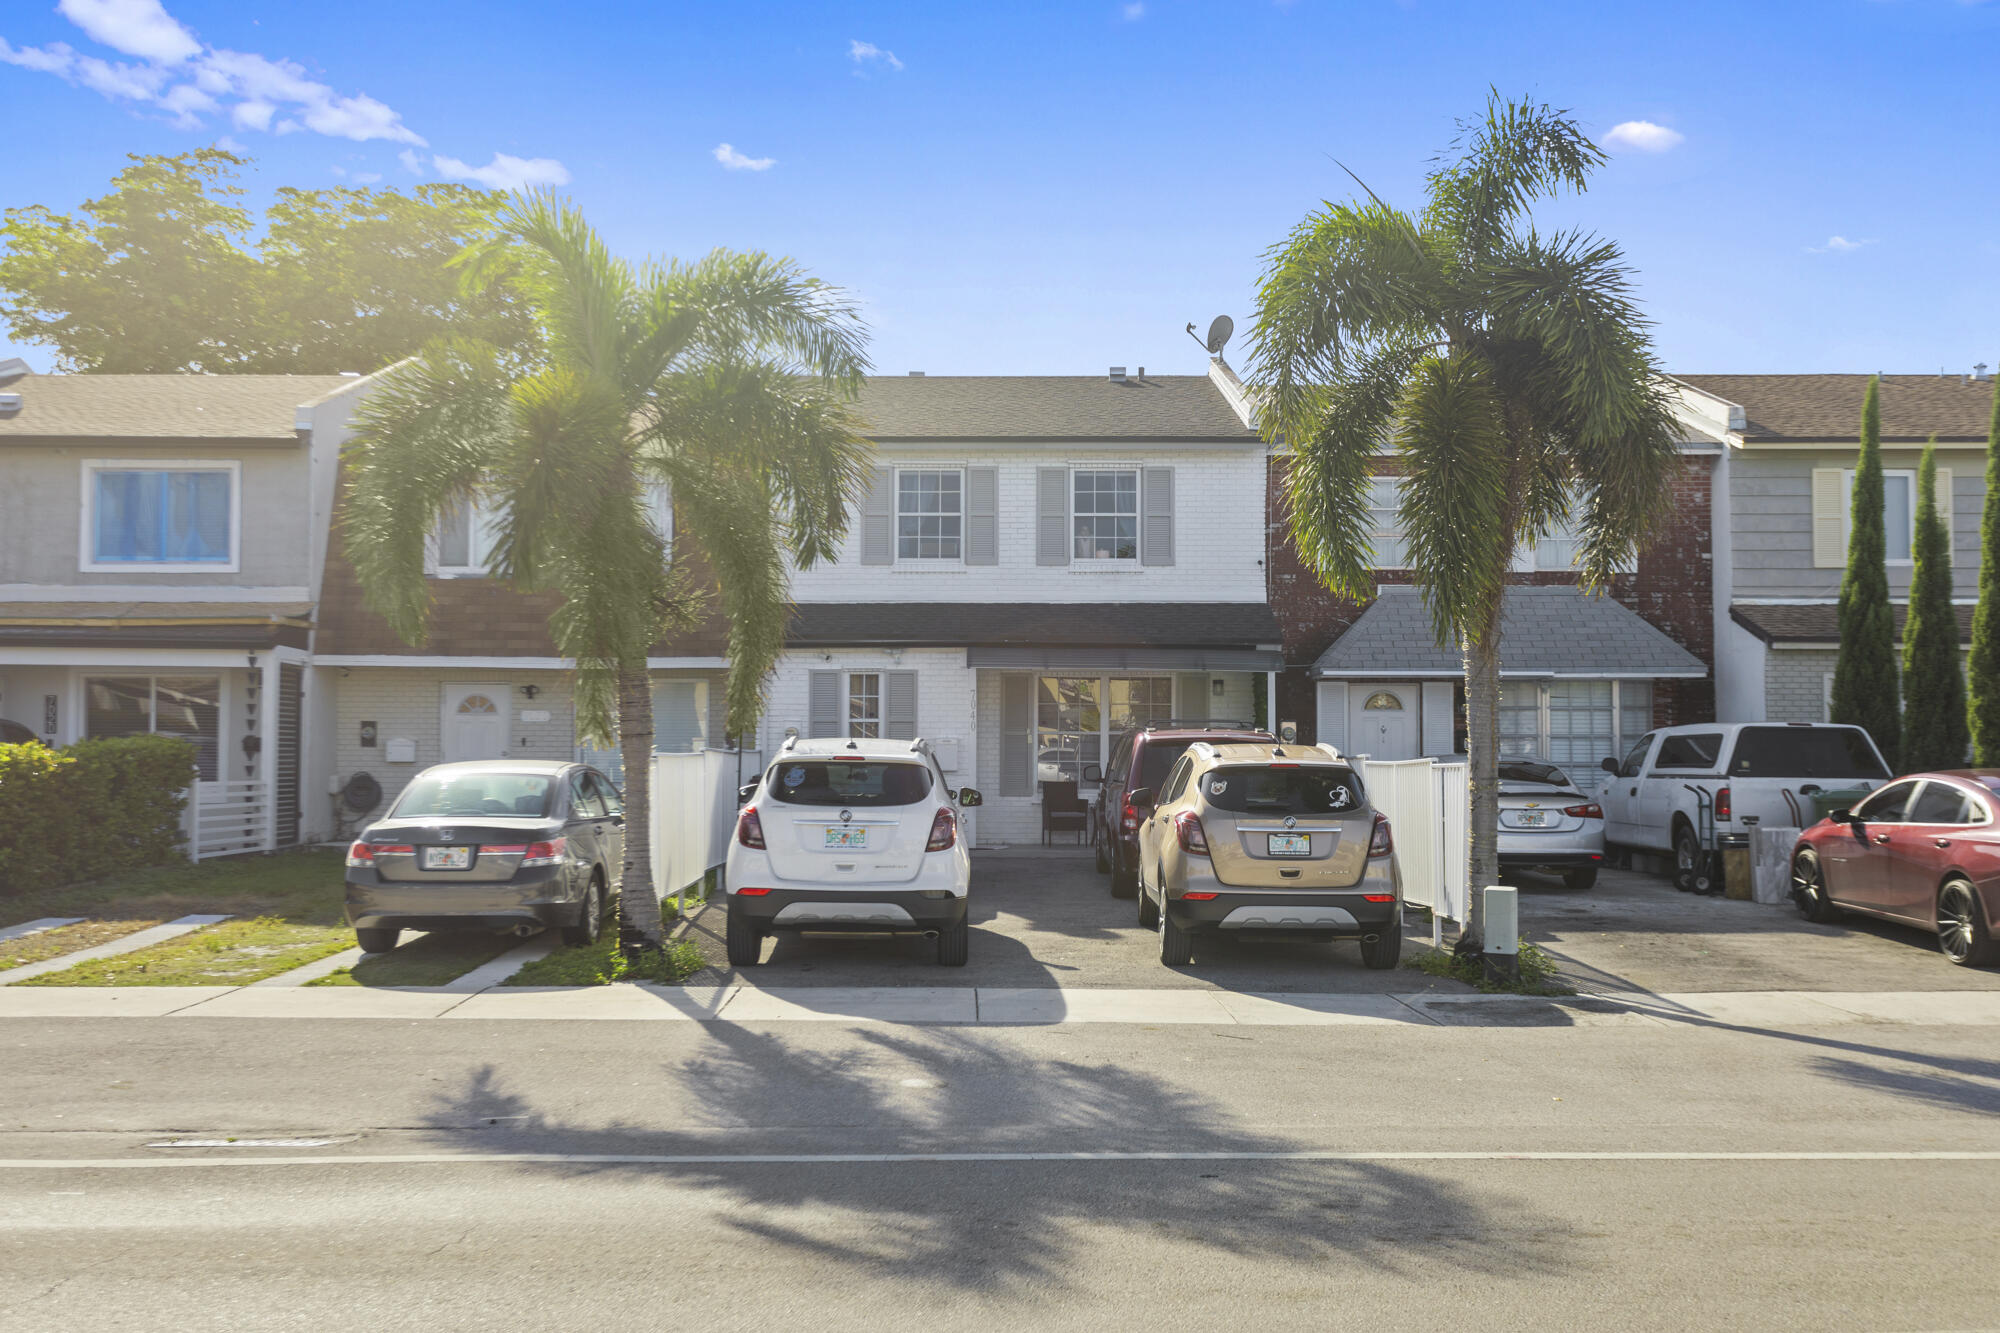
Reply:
x=1047, y=919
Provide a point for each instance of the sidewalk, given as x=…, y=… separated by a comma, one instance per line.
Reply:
x=985, y=1006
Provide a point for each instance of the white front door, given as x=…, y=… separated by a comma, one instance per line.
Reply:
x=475, y=722
x=1383, y=723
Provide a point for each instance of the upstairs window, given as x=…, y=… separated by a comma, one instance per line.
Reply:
x=1105, y=514
x=468, y=531
x=930, y=514
x=1899, y=511
x=174, y=517
x=1385, y=532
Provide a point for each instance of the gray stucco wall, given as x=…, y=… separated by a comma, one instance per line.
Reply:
x=1795, y=685
x=1771, y=520
x=41, y=514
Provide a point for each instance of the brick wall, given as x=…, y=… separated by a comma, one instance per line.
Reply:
x=1671, y=589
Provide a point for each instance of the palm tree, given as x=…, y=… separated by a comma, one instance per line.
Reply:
x=727, y=380
x=1509, y=371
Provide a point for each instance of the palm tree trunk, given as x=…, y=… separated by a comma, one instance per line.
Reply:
x=1482, y=727
x=638, y=910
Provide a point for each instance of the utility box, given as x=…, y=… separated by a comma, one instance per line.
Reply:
x=400, y=750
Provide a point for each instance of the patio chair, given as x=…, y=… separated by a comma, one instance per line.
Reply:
x=1063, y=811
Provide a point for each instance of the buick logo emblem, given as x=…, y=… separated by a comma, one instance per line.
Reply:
x=444, y=835
x=1291, y=822
x=846, y=816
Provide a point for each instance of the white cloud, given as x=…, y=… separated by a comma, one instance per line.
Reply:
x=1836, y=245
x=1134, y=11
x=1643, y=136
x=136, y=27
x=252, y=115
x=55, y=58
x=504, y=172
x=863, y=52
x=736, y=161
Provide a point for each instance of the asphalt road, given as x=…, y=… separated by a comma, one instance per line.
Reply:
x=1240, y=1225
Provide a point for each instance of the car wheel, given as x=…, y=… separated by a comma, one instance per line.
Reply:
x=1176, y=945
x=1809, y=888
x=376, y=939
x=1690, y=869
x=589, y=918
x=1384, y=951
x=744, y=939
x=1124, y=882
x=1581, y=878
x=955, y=944
x=1149, y=912
x=1103, y=866
x=1961, y=926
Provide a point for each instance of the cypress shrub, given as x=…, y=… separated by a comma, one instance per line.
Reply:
x=1864, y=675
x=1983, y=668
x=90, y=809
x=1935, y=733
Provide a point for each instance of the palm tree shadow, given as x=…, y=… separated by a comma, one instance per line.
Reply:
x=1007, y=1227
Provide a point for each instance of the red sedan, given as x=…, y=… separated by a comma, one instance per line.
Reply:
x=1923, y=850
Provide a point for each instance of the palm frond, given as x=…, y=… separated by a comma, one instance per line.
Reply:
x=728, y=517
x=751, y=305
x=1519, y=152
x=1456, y=508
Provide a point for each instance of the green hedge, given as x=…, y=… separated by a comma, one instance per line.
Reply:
x=90, y=809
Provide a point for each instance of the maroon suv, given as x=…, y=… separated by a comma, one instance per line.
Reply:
x=1140, y=760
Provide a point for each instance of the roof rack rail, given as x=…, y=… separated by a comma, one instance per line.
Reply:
x=790, y=741
x=1200, y=724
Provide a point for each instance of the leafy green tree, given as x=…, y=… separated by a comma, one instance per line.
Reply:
x=1983, y=667
x=1510, y=370
x=1935, y=731
x=160, y=275
x=1864, y=673
x=729, y=380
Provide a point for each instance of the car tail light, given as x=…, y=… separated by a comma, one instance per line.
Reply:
x=503, y=849
x=360, y=854
x=1378, y=897
x=1129, y=820
x=1198, y=897
x=1379, y=842
x=1591, y=811
x=944, y=832
x=546, y=853
x=1722, y=808
x=1187, y=827
x=364, y=853
x=749, y=828
x=752, y=893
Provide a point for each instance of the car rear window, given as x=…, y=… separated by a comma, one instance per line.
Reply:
x=1546, y=774
x=1157, y=760
x=1264, y=790
x=475, y=793
x=1804, y=752
x=858, y=782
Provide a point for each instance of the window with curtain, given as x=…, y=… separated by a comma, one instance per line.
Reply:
x=146, y=516
x=1899, y=511
x=1106, y=514
x=1385, y=529
x=186, y=706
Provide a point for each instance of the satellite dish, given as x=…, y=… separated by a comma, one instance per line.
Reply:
x=1218, y=334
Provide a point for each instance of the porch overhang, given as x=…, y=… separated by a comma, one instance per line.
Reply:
x=1546, y=632
x=1011, y=658
x=154, y=625
x=1232, y=636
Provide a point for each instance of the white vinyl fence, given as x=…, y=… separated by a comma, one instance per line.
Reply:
x=1429, y=810
x=694, y=812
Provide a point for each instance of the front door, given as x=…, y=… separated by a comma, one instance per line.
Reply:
x=1384, y=721
x=475, y=722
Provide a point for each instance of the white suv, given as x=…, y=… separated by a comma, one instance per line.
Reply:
x=855, y=835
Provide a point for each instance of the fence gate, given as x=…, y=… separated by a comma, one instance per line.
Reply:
x=1428, y=805
x=291, y=682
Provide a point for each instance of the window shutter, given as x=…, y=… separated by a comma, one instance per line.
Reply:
x=1944, y=502
x=1052, y=536
x=1156, y=516
x=1017, y=734
x=878, y=520
x=1439, y=722
x=982, y=516
x=1331, y=727
x=899, y=705
x=1829, y=523
x=823, y=706
x=1194, y=701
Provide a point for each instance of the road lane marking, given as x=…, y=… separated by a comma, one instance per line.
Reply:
x=865, y=1158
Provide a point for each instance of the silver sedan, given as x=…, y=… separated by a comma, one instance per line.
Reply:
x=1546, y=824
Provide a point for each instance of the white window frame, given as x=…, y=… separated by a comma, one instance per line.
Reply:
x=1138, y=517
x=481, y=517
x=1847, y=510
x=1620, y=741
x=86, y=544
x=1106, y=732
x=660, y=506
x=849, y=720
x=224, y=693
x=1382, y=530
x=896, y=517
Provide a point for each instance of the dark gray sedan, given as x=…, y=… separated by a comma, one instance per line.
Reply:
x=492, y=844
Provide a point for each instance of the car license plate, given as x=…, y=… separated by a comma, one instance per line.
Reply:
x=1290, y=844
x=447, y=858
x=1530, y=818
x=847, y=839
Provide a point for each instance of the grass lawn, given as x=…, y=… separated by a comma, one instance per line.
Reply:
x=600, y=964
x=1540, y=974
x=431, y=960
x=65, y=939
x=233, y=953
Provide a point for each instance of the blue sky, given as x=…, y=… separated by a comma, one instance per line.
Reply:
x=1054, y=188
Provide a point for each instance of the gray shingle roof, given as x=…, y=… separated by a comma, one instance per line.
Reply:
x=1819, y=622
x=1048, y=407
x=1828, y=407
x=162, y=407
x=1037, y=624
x=1544, y=631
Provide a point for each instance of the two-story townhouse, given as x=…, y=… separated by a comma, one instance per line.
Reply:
x=1039, y=563
x=1784, y=487
x=487, y=682
x=1581, y=675
x=162, y=539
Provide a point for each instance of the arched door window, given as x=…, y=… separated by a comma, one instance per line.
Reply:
x=1382, y=701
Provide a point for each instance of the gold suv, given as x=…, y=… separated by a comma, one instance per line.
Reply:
x=1268, y=838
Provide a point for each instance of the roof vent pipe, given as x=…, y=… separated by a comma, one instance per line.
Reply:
x=1117, y=374
x=1979, y=371
x=916, y=374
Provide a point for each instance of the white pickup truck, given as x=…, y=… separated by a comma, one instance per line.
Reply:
x=1653, y=800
